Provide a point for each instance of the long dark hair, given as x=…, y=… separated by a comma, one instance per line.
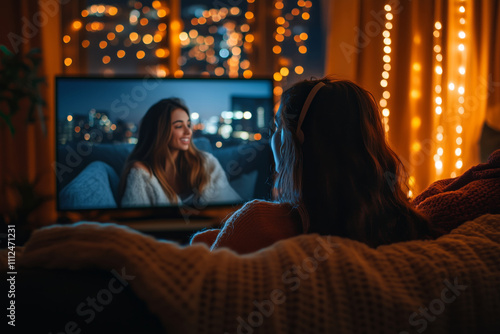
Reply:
x=344, y=179
x=153, y=151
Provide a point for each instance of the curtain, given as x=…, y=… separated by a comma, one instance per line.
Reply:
x=28, y=155
x=438, y=93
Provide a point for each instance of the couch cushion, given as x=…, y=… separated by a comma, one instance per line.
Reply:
x=94, y=188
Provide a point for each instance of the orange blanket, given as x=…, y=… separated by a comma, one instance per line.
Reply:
x=450, y=202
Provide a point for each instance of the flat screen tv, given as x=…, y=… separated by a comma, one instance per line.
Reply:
x=98, y=120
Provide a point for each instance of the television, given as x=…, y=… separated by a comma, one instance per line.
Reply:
x=97, y=124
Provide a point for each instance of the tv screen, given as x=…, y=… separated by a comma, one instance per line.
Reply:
x=98, y=120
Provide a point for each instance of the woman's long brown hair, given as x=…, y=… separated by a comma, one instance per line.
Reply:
x=344, y=179
x=153, y=151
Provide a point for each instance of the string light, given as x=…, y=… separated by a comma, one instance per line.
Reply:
x=438, y=163
x=386, y=68
x=460, y=77
x=289, y=28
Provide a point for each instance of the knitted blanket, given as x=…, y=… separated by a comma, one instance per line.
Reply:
x=305, y=284
x=450, y=202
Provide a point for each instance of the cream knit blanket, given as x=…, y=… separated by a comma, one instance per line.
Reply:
x=306, y=284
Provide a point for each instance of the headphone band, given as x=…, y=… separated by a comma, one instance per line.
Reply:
x=305, y=108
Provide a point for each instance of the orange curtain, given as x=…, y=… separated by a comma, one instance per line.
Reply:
x=29, y=154
x=438, y=93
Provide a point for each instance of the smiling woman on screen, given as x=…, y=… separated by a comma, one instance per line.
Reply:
x=165, y=167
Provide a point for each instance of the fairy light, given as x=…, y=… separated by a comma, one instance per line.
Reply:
x=386, y=68
x=461, y=38
x=289, y=29
x=438, y=101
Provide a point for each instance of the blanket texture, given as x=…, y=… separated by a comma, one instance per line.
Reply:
x=450, y=202
x=305, y=284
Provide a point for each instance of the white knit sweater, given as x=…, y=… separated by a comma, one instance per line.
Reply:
x=144, y=189
x=305, y=284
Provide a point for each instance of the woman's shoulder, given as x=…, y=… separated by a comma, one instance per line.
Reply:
x=267, y=208
x=140, y=166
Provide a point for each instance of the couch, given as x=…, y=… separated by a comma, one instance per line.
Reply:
x=88, y=175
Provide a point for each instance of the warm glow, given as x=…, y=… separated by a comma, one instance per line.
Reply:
x=279, y=5
x=458, y=152
x=284, y=71
x=120, y=54
x=249, y=15
x=299, y=69
x=156, y=4
x=459, y=129
x=161, y=13
x=106, y=59
x=183, y=36
x=68, y=61
x=280, y=30
x=306, y=16
x=66, y=39
x=69, y=118
x=302, y=49
x=277, y=49
x=247, y=74
x=178, y=74
x=277, y=76
x=160, y=53
x=147, y=39
x=85, y=44
x=85, y=13
x=439, y=70
x=451, y=86
x=277, y=91
x=385, y=112
x=111, y=36
x=219, y=71
x=462, y=9
x=439, y=110
x=280, y=20
x=461, y=47
x=461, y=70
x=415, y=94
x=113, y=11
x=77, y=24
x=416, y=122
x=249, y=38
x=119, y=28
x=162, y=27
x=459, y=164
x=103, y=44
x=459, y=141
x=140, y=54
x=416, y=146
